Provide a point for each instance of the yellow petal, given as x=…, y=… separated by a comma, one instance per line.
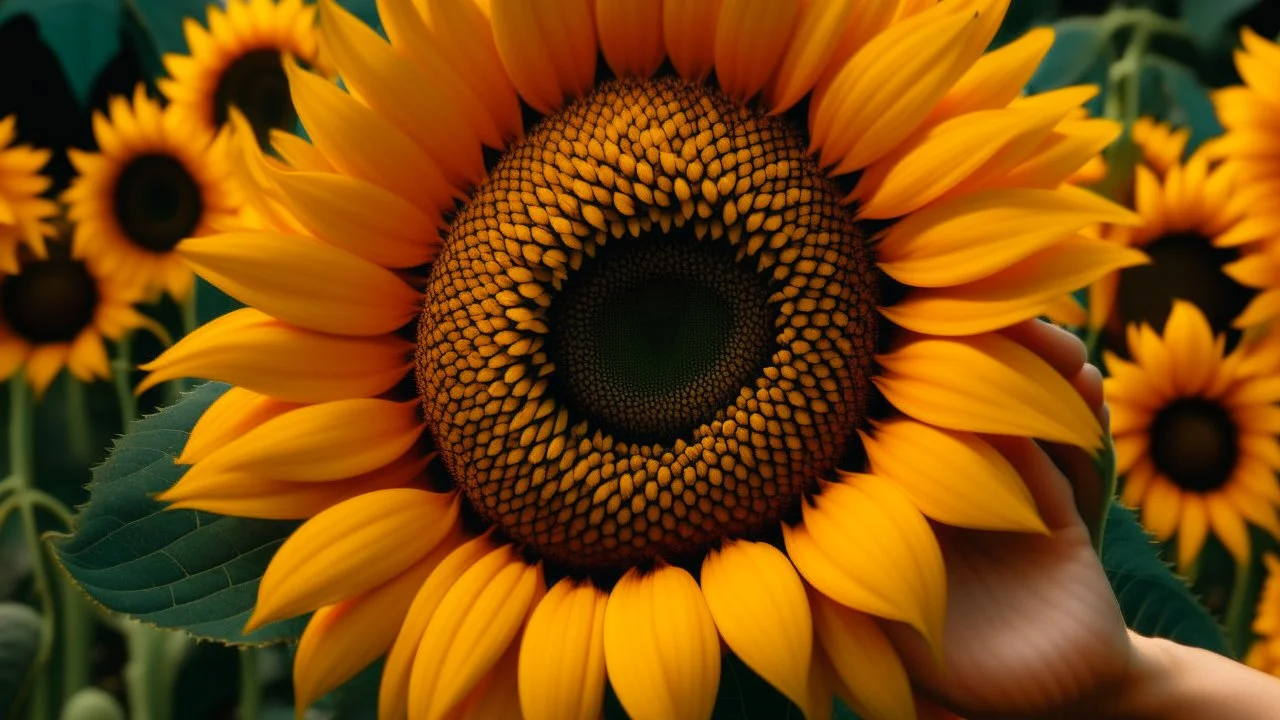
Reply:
x=631, y=35
x=463, y=33
x=359, y=142
x=340, y=640
x=758, y=603
x=863, y=544
x=660, y=646
x=1072, y=144
x=549, y=50
x=947, y=155
x=1230, y=528
x=230, y=416
x=315, y=443
x=393, y=693
x=1020, y=292
x=685, y=29
x=250, y=349
x=1161, y=507
x=987, y=384
x=890, y=85
x=244, y=495
x=562, y=673
x=297, y=152
x=867, y=665
x=352, y=548
x=44, y=362
x=1191, y=347
x=751, y=36
x=360, y=217
x=474, y=624
x=413, y=101
x=996, y=78
x=973, y=236
x=961, y=481
x=497, y=694
x=304, y=282
x=816, y=38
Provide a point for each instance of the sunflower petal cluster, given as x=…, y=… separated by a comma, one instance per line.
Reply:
x=864, y=161
x=24, y=213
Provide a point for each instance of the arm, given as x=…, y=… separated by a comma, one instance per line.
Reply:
x=1171, y=682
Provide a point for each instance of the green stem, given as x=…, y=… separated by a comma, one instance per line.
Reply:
x=78, y=441
x=1143, y=19
x=121, y=367
x=1240, y=610
x=22, y=470
x=148, y=675
x=250, y=693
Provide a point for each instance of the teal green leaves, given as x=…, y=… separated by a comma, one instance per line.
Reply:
x=77, y=31
x=1154, y=601
x=171, y=568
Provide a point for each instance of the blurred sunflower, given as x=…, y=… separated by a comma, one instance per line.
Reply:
x=155, y=180
x=618, y=397
x=55, y=312
x=1265, y=653
x=238, y=63
x=1198, y=231
x=1248, y=114
x=24, y=214
x=1195, y=433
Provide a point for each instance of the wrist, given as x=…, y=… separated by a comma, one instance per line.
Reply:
x=1143, y=691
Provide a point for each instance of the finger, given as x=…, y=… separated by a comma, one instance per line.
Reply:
x=1089, y=489
x=1047, y=484
x=1062, y=350
x=1088, y=382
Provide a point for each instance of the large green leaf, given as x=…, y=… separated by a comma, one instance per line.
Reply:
x=84, y=34
x=1154, y=601
x=20, y=630
x=1186, y=101
x=1208, y=21
x=1078, y=46
x=172, y=568
x=163, y=20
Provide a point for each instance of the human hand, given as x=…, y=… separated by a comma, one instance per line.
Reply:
x=1033, y=629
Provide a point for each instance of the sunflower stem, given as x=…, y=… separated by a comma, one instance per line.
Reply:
x=78, y=441
x=121, y=366
x=1240, y=610
x=250, y=693
x=149, y=675
x=22, y=471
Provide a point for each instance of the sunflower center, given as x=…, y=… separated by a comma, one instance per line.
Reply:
x=157, y=202
x=1183, y=266
x=256, y=85
x=651, y=329
x=49, y=301
x=1193, y=443
x=653, y=337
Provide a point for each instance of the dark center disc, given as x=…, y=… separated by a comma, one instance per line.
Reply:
x=49, y=301
x=157, y=202
x=256, y=85
x=1193, y=443
x=1183, y=266
x=653, y=336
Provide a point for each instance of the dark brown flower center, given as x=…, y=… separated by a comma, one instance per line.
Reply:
x=651, y=329
x=49, y=301
x=1193, y=443
x=255, y=83
x=157, y=202
x=1183, y=266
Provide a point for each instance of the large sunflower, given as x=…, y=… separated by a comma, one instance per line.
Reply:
x=237, y=62
x=663, y=376
x=55, y=312
x=1264, y=655
x=155, y=180
x=24, y=214
x=1200, y=234
x=1195, y=433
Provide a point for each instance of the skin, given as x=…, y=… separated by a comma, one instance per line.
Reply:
x=1033, y=629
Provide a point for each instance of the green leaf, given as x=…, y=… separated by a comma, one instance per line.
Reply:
x=20, y=630
x=181, y=569
x=84, y=34
x=1186, y=100
x=212, y=302
x=1153, y=600
x=163, y=21
x=1209, y=20
x=1094, y=502
x=1077, y=46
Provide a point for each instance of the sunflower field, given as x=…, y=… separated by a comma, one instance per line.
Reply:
x=652, y=359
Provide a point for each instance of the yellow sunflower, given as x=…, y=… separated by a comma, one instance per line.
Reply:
x=55, y=312
x=653, y=371
x=154, y=180
x=1199, y=232
x=1265, y=653
x=24, y=214
x=237, y=62
x=1195, y=433
x=1248, y=114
